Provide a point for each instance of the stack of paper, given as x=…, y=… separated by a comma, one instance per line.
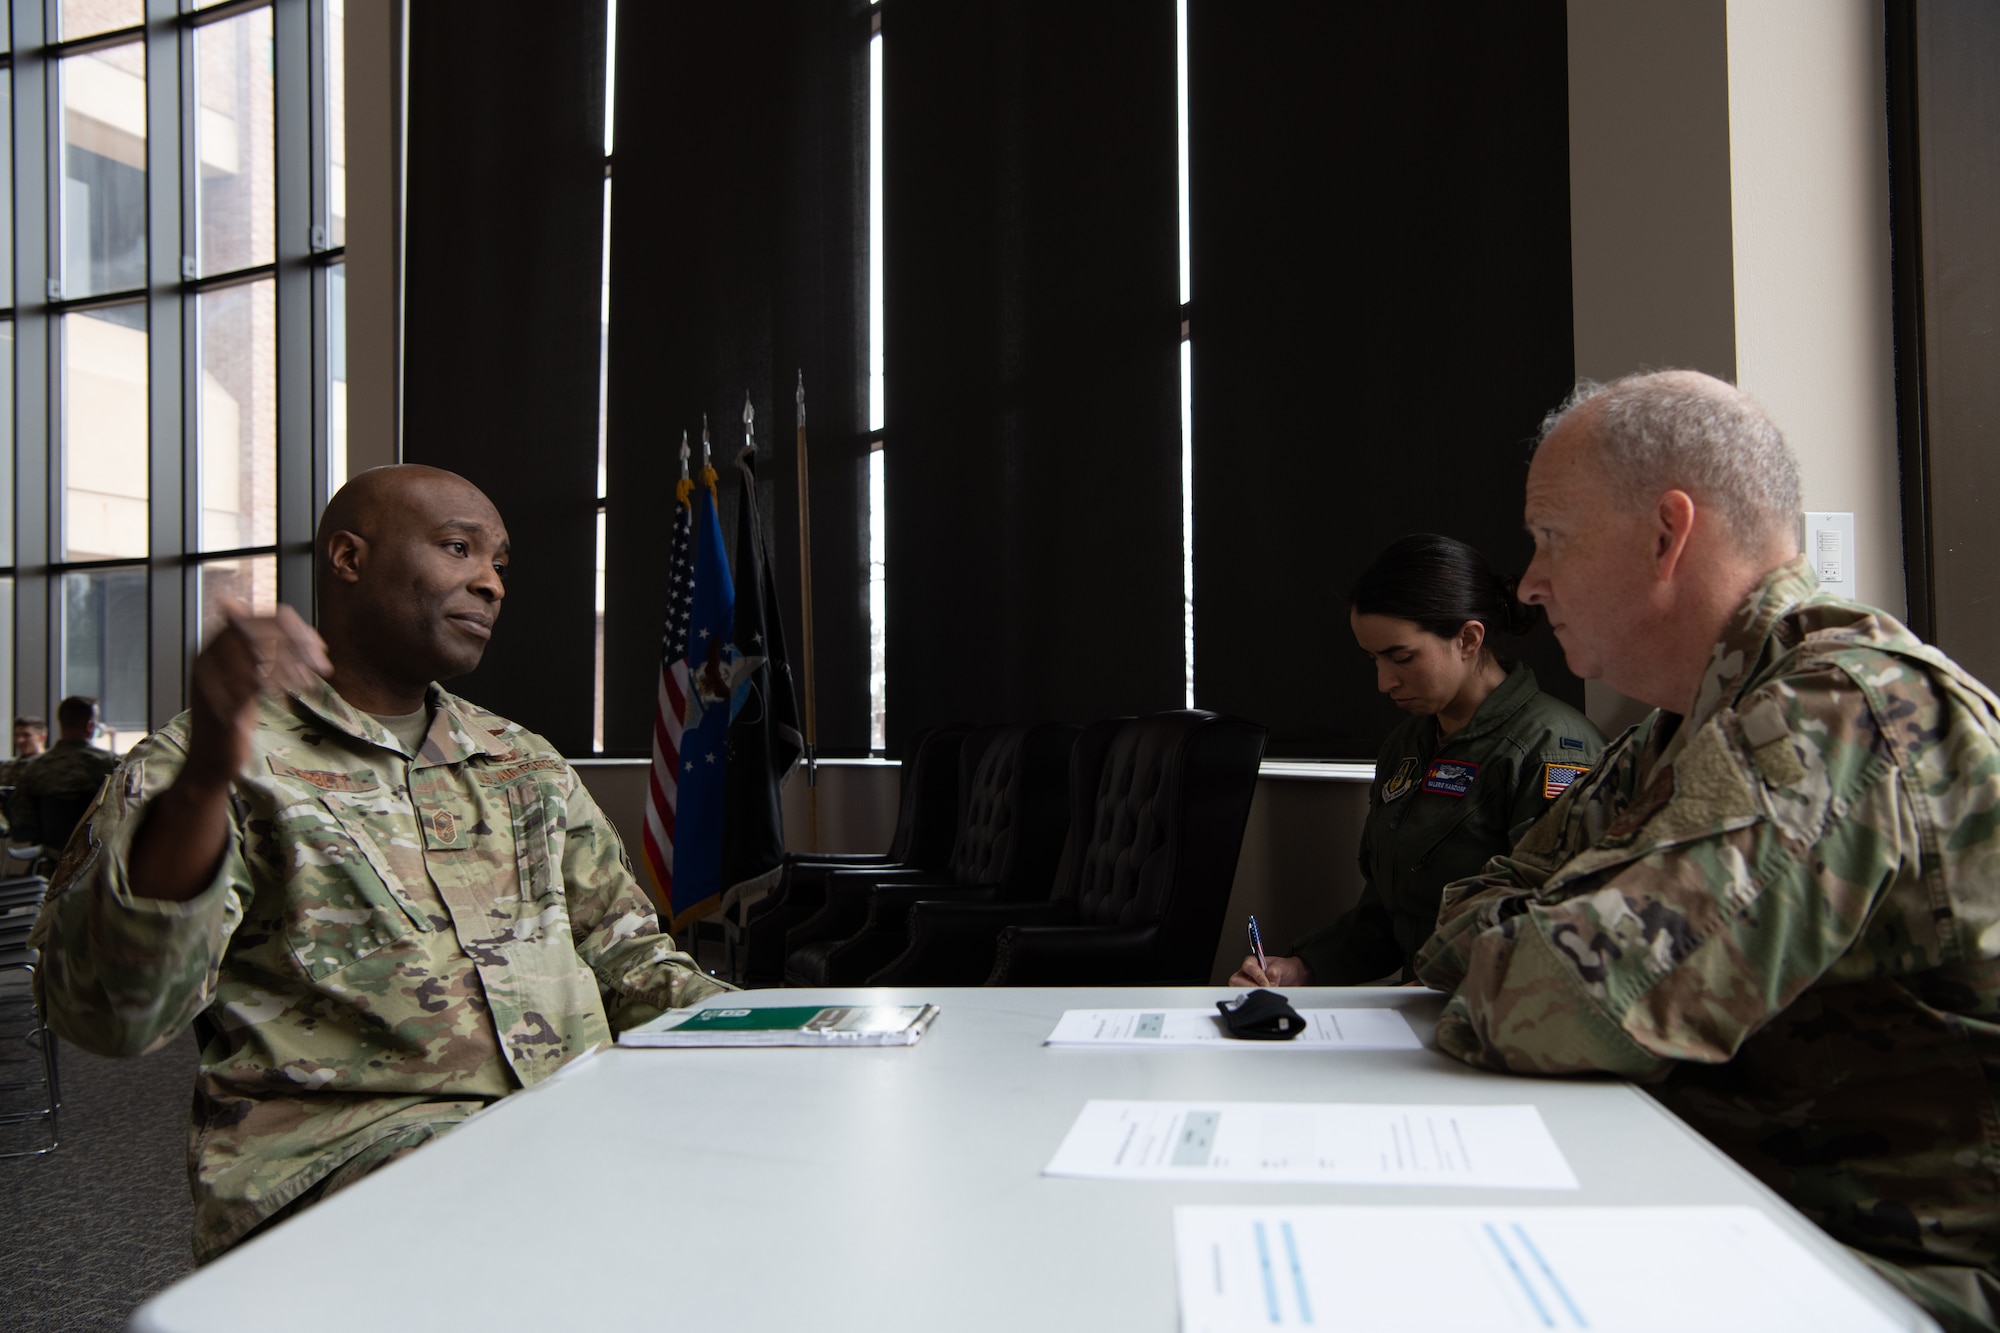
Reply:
x=1326, y=1029
x=1448, y=1270
x=1331, y=1143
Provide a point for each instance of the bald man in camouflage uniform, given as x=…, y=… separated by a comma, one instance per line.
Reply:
x=1777, y=899
x=381, y=907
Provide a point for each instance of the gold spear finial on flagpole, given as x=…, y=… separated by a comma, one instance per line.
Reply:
x=806, y=626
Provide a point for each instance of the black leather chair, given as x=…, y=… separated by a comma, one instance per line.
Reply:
x=1016, y=813
x=20, y=1016
x=1161, y=802
x=927, y=821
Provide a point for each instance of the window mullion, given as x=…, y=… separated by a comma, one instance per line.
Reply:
x=174, y=495
x=301, y=466
x=34, y=646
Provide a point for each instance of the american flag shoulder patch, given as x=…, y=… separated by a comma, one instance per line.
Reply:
x=1556, y=778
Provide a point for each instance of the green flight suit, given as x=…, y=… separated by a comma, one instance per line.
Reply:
x=1437, y=813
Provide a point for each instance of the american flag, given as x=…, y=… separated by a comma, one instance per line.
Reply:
x=663, y=793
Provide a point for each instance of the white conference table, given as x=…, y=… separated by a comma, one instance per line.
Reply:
x=877, y=1189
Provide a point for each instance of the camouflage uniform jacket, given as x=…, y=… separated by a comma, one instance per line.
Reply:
x=10, y=774
x=1785, y=911
x=11, y=770
x=391, y=942
x=68, y=768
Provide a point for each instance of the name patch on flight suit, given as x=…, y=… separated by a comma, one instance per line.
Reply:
x=1450, y=777
x=1556, y=778
x=1400, y=784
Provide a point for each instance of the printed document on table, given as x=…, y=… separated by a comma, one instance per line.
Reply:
x=1326, y=1029
x=1322, y=1143
x=1723, y=1269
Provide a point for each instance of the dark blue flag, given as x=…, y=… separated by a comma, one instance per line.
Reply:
x=718, y=681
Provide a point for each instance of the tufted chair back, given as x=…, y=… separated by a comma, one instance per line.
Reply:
x=927, y=818
x=1158, y=809
x=1014, y=784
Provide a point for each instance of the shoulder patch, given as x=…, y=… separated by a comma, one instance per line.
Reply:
x=1450, y=777
x=1571, y=743
x=1557, y=778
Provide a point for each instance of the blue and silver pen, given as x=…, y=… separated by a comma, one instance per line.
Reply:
x=1257, y=946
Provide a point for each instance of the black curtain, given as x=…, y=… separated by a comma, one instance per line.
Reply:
x=1032, y=418
x=1944, y=173
x=1381, y=315
x=504, y=234
x=738, y=258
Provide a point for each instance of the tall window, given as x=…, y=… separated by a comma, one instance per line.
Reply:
x=180, y=266
x=331, y=238
x=878, y=523
x=99, y=342
x=1187, y=369
x=604, y=362
x=236, y=408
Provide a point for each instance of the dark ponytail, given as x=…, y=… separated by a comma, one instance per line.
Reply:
x=1439, y=584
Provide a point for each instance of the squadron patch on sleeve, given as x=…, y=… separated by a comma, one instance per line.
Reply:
x=1450, y=777
x=1556, y=778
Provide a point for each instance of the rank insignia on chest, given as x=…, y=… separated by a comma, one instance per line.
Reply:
x=1399, y=785
x=1450, y=777
x=1556, y=778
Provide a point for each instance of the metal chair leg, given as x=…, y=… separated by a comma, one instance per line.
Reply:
x=45, y=1043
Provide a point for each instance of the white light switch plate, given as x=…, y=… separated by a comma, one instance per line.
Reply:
x=1829, y=545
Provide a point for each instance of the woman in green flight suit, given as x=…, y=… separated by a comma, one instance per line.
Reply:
x=1484, y=753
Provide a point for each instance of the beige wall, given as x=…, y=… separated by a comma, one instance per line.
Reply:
x=1809, y=162
x=1297, y=870
x=374, y=223
x=1650, y=256
x=1729, y=213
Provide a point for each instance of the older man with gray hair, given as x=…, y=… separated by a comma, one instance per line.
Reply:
x=1777, y=899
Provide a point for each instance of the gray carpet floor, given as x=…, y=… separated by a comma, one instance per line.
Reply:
x=91, y=1230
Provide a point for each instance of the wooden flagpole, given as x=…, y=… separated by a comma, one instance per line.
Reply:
x=806, y=626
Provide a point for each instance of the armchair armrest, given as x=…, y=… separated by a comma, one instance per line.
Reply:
x=889, y=906
x=951, y=943
x=835, y=860
x=1065, y=955
x=803, y=889
x=845, y=909
x=848, y=961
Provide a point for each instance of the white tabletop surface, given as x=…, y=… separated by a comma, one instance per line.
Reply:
x=877, y=1190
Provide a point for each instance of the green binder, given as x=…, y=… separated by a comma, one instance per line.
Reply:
x=787, y=1025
